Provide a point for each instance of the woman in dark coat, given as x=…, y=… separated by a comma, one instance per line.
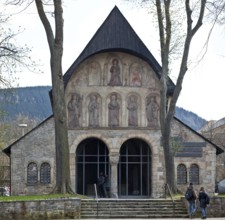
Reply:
x=203, y=198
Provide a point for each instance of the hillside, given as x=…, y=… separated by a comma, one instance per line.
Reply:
x=189, y=118
x=34, y=103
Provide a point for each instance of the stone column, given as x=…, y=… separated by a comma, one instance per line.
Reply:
x=114, y=159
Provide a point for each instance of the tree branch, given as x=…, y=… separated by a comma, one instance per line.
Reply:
x=46, y=24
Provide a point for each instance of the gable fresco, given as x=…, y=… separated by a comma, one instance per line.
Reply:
x=104, y=84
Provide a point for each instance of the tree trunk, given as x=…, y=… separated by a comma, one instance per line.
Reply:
x=167, y=112
x=63, y=184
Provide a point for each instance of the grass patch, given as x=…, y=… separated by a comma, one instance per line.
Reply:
x=40, y=197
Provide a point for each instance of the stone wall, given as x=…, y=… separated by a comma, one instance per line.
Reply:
x=68, y=208
x=216, y=207
x=206, y=161
x=37, y=147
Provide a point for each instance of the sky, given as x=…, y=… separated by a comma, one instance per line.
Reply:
x=203, y=89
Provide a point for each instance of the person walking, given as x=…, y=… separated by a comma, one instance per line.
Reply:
x=101, y=183
x=204, y=201
x=191, y=197
x=107, y=186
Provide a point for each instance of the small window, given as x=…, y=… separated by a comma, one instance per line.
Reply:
x=181, y=174
x=32, y=174
x=45, y=175
x=194, y=174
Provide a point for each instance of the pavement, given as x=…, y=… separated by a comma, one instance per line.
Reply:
x=160, y=219
x=221, y=218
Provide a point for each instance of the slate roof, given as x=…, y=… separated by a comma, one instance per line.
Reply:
x=116, y=34
x=219, y=150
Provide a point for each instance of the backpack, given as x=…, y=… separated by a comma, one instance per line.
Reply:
x=189, y=194
x=207, y=199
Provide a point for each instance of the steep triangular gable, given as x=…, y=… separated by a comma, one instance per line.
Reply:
x=218, y=149
x=116, y=34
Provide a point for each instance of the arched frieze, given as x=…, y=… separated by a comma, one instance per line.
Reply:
x=94, y=73
x=114, y=110
x=74, y=108
x=81, y=138
x=152, y=111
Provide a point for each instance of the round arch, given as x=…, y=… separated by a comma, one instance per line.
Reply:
x=135, y=169
x=91, y=159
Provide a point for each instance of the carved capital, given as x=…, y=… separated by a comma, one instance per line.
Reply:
x=114, y=158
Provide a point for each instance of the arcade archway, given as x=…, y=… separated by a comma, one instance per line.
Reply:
x=91, y=158
x=134, y=169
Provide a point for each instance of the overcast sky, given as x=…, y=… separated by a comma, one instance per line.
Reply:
x=204, y=86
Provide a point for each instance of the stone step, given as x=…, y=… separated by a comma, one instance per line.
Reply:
x=132, y=209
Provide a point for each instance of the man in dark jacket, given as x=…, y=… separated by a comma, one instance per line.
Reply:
x=191, y=198
x=101, y=185
x=203, y=200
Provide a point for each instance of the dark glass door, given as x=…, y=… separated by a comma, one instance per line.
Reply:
x=91, y=158
x=134, y=170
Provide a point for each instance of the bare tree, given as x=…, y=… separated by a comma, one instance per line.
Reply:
x=13, y=57
x=216, y=10
x=55, y=42
x=166, y=114
x=173, y=38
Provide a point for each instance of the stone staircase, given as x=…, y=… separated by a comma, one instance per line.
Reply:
x=132, y=208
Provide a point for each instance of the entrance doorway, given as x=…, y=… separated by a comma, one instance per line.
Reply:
x=134, y=170
x=91, y=158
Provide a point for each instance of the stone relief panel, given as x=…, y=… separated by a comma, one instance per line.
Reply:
x=94, y=73
x=109, y=89
x=133, y=110
x=114, y=108
x=152, y=111
x=94, y=110
x=114, y=73
x=74, y=108
x=135, y=74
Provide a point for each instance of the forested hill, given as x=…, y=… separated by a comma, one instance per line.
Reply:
x=189, y=118
x=34, y=102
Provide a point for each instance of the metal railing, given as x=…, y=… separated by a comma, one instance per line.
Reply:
x=96, y=197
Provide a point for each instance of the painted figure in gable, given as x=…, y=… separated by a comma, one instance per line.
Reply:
x=152, y=111
x=115, y=79
x=135, y=75
x=93, y=108
x=94, y=71
x=132, y=111
x=74, y=111
x=114, y=108
x=81, y=78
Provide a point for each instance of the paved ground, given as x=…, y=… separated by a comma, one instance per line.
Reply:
x=161, y=219
x=157, y=219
